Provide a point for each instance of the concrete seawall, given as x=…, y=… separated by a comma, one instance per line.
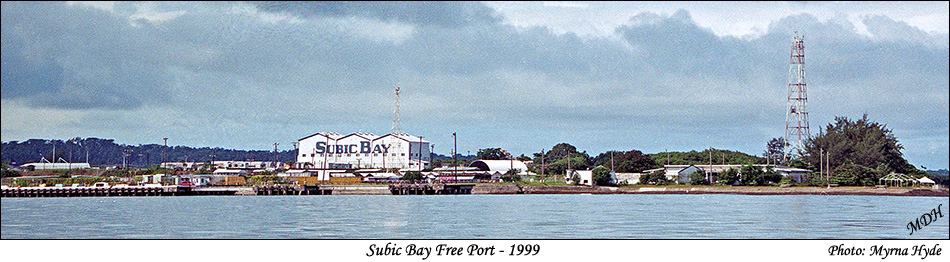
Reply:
x=496, y=189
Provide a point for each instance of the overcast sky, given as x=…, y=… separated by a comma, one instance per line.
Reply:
x=522, y=76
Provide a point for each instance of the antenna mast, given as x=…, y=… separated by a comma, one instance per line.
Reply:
x=796, y=114
x=397, y=132
x=397, y=127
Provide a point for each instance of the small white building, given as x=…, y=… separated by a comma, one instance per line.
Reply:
x=499, y=168
x=585, y=177
x=629, y=178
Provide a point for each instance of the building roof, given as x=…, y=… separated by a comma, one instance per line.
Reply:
x=450, y=168
x=330, y=135
x=501, y=166
x=367, y=136
x=56, y=165
x=406, y=137
x=720, y=168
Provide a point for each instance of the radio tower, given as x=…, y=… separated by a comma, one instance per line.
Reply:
x=397, y=132
x=397, y=128
x=796, y=115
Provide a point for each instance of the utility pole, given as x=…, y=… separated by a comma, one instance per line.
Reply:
x=667, y=156
x=420, y=153
x=296, y=153
x=163, y=151
x=454, y=154
x=542, y=162
x=70, y=165
x=276, y=160
x=611, y=160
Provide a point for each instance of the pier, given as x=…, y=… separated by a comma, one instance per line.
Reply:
x=431, y=189
x=285, y=190
x=96, y=191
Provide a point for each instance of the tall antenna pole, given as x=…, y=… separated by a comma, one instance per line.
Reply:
x=397, y=132
x=397, y=127
x=796, y=114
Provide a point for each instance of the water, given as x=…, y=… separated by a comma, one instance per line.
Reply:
x=473, y=217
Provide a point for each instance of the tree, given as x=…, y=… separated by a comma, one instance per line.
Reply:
x=656, y=178
x=601, y=176
x=492, y=154
x=851, y=174
x=632, y=161
x=728, y=177
x=755, y=176
x=413, y=176
x=863, y=142
x=862, y=149
x=512, y=175
x=6, y=171
x=560, y=151
x=562, y=156
x=523, y=158
x=716, y=156
x=775, y=149
x=698, y=177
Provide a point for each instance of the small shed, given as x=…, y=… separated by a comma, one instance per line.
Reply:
x=926, y=181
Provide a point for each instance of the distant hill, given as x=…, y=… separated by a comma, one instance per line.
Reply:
x=105, y=152
x=715, y=156
x=941, y=176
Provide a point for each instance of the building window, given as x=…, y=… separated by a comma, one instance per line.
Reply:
x=403, y=154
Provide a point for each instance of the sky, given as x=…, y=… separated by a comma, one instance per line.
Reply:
x=522, y=76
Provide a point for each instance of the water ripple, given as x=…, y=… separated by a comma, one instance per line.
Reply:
x=469, y=216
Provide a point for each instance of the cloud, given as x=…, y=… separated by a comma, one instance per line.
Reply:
x=67, y=60
x=447, y=14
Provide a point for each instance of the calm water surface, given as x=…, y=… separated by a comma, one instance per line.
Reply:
x=473, y=217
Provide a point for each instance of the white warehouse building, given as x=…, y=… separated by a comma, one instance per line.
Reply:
x=362, y=150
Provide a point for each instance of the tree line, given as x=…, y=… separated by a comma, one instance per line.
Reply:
x=106, y=152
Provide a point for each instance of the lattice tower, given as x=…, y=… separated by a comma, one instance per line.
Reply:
x=397, y=132
x=796, y=114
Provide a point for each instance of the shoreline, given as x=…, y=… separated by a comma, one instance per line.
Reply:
x=872, y=191
x=460, y=189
